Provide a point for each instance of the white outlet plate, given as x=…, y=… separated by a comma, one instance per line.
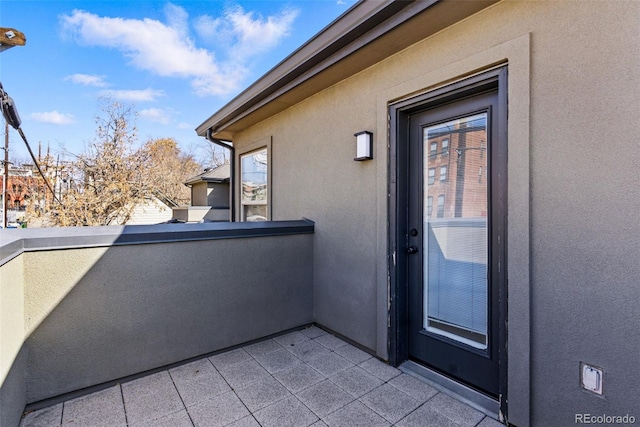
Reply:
x=591, y=378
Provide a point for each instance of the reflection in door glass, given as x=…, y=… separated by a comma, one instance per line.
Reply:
x=455, y=239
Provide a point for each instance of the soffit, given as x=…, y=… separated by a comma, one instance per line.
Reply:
x=347, y=46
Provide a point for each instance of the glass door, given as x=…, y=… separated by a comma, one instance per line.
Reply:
x=457, y=182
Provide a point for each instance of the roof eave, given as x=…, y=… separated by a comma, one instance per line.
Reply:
x=357, y=28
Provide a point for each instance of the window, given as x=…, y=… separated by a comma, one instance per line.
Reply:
x=429, y=206
x=443, y=173
x=254, y=176
x=432, y=176
x=441, y=206
x=434, y=149
x=445, y=147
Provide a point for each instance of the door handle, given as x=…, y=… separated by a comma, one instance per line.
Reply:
x=412, y=250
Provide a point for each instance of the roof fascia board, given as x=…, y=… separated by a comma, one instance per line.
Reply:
x=326, y=63
x=353, y=23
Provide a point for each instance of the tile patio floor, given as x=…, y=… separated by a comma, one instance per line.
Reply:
x=305, y=378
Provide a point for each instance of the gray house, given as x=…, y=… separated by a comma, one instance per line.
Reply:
x=209, y=196
x=486, y=234
x=449, y=186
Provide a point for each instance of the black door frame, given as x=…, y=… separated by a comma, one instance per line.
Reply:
x=399, y=114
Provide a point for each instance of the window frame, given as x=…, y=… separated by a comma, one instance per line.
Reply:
x=431, y=177
x=241, y=152
x=444, y=151
x=443, y=176
x=433, y=149
x=440, y=209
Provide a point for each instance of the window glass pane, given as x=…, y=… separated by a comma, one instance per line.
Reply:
x=253, y=176
x=434, y=149
x=254, y=212
x=455, y=241
x=432, y=176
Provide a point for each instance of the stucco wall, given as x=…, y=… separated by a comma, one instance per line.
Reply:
x=573, y=209
x=95, y=315
x=12, y=333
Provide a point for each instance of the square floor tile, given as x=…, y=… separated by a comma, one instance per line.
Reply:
x=45, y=417
x=423, y=416
x=219, y=411
x=324, y=398
x=307, y=349
x=313, y=332
x=176, y=419
x=414, y=387
x=380, y=369
x=356, y=381
x=329, y=363
x=240, y=375
x=262, y=347
x=330, y=341
x=245, y=422
x=150, y=398
x=262, y=393
x=227, y=359
x=289, y=412
x=103, y=408
x=198, y=381
x=291, y=338
x=455, y=410
x=278, y=360
x=355, y=414
x=390, y=403
x=490, y=422
x=298, y=378
x=353, y=354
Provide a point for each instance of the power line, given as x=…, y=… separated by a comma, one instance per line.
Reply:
x=12, y=117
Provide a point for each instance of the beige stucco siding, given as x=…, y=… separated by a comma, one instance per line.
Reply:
x=574, y=74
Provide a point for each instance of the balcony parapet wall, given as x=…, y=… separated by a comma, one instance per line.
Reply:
x=14, y=242
x=88, y=306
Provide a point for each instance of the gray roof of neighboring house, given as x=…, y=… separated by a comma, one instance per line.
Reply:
x=217, y=174
x=367, y=33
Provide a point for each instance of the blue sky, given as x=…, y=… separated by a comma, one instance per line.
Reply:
x=175, y=62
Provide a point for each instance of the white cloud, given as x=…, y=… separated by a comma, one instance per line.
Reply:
x=185, y=126
x=246, y=33
x=157, y=115
x=167, y=50
x=53, y=117
x=87, y=80
x=178, y=19
x=134, y=95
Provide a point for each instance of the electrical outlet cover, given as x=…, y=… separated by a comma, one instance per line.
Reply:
x=591, y=378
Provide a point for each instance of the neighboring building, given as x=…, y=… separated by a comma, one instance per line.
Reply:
x=492, y=243
x=209, y=196
x=24, y=188
x=154, y=210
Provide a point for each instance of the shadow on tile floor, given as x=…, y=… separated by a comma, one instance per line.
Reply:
x=304, y=378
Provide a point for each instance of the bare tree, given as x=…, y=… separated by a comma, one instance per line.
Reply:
x=108, y=179
x=168, y=168
x=216, y=155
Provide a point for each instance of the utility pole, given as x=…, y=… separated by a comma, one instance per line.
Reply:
x=5, y=177
x=9, y=37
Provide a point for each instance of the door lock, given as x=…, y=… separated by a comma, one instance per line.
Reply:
x=412, y=250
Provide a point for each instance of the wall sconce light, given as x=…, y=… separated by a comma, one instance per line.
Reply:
x=364, y=146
